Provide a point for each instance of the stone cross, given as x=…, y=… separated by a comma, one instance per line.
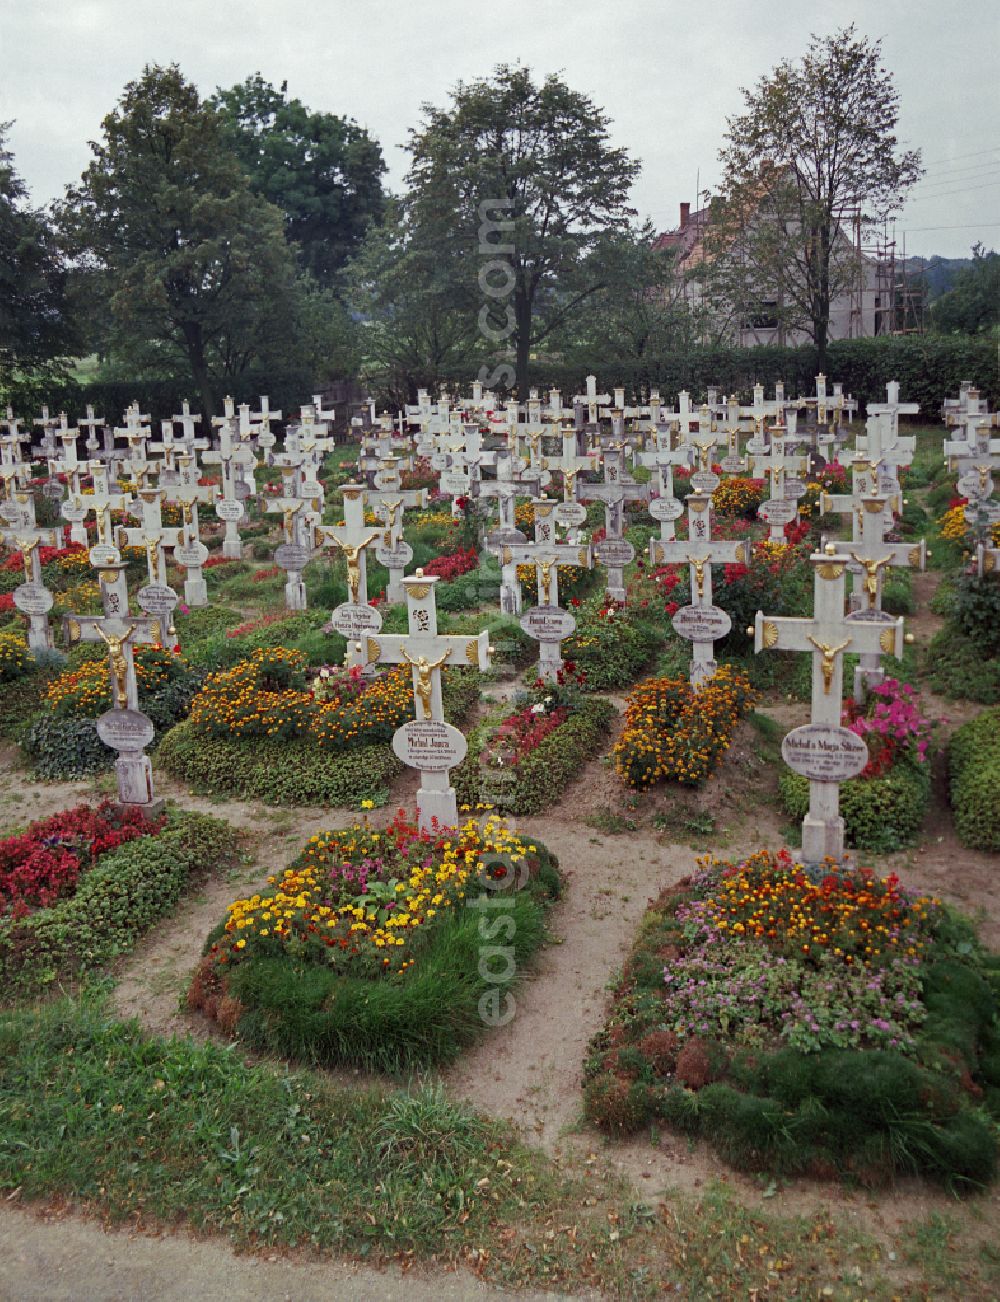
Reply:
x=546, y=622
x=428, y=743
x=823, y=751
x=507, y=488
x=191, y=552
x=91, y=424
x=870, y=557
x=124, y=727
x=228, y=457
x=389, y=500
x=701, y=623
x=15, y=470
x=152, y=535
x=594, y=402
x=614, y=553
x=865, y=482
x=785, y=487
x=32, y=598
x=47, y=426
x=300, y=516
x=353, y=537
x=891, y=409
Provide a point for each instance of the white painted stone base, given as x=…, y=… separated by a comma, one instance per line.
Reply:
x=441, y=805
x=822, y=837
x=39, y=633
x=196, y=592
x=135, y=780
x=295, y=592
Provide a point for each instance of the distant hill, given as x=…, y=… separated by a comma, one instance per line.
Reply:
x=937, y=272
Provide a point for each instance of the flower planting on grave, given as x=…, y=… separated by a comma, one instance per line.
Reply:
x=369, y=949
x=974, y=780
x=777, y=579
x=678, y=733
x=521, y=760
x=884, y=807
x=739, y=497
x=825, y=1024
x=260, y=730
x=81, y=887
x=612, y=644
x=61, y=737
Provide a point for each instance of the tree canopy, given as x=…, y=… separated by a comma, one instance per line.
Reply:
x=537, y=162
x=196, y=266
x=35, y=323
x=812, y=157
x=972, y=305
x=323, y=171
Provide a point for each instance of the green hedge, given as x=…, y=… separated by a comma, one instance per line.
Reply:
x=543, y=774
x=294, y=773
x=880, y=814
x=115, y=903
x=929, y=369
x=974, y=776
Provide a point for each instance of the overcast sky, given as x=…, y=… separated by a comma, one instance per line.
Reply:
x=667, y=74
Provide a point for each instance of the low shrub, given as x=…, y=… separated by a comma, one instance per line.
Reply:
x=881, y=814
x=957, y=668
x=677, y=733
x=369, y=950
x=974, y=774
x=114, y=904
x=500, y=772
x=248, y=770
x=611, y=645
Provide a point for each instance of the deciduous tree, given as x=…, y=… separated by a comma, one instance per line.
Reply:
x=535, y=161
x=813, y=155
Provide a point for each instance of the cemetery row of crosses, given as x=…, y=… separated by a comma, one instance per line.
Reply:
x=295, y=609
x=486, y=457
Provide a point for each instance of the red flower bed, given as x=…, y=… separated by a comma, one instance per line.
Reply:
x=519, y=734
x=271, y=572
x=453, y=565
x=6, y=601
x=45, y=555
x=214, y=562
x=45, y=862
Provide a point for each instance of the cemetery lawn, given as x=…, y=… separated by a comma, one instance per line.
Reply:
x=166, y=1133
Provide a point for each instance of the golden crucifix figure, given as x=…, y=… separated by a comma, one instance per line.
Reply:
x=353, y=558
x=289, y=513
x=545, y=569
x=699, y=574
x=391, y=510
x=830, y=654
x=119, y=664
x=871, y=569
x=26, y=546
x=152, y=542
x=704, y=451
x=984, y=478
x=187, y=510
x=425, y=682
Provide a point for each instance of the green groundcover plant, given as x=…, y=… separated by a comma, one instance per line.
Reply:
x=388, y=949
x=974, y=780
x=524, y=755
x=821, y=1024
x=83, y=887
